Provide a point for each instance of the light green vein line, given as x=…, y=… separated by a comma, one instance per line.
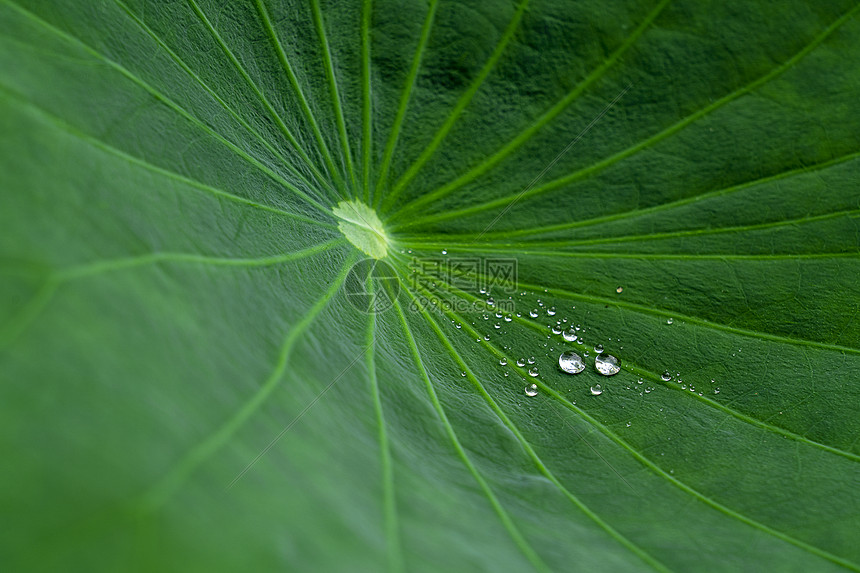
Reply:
x=15, y=326
x=654, y=139
x=19, y=323
x=675, y=204
x=645, y=373
x=684, y=318
x=560, y=244
x=462, y=103
x=740, y=415
x=91, y=269
x=542, y=468
x=256, y=89
x=523, y=249
x=154, y=498
x=61, y=124
x=506, y=520
x=649, y=210
x=333, y=91
x=693, y=492
x=689, y=490
x=171, y=104
x=389, y=504
x=714, y=231
x=407, y=92
x=542, y=121
x=367, y=103
x=175, y=57
x=294, y=83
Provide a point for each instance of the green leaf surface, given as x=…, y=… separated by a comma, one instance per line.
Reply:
x=187, y=385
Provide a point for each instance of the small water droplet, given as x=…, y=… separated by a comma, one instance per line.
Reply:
x=666, y=376
x=458, y=325
x=556, y=330
x=531, y=359
x=444, y=252
x=716, y=390
x=596, y=390
x=508, y=318
x=670, y=320
x=521, y=362
x=619, y=291
x=533, y=313
x=463, y=374
x=606, y=364
x=533, y=372
x=648, y=390
x=487, y=337
x=506, y=374
x=551, y=311
x=503, y=361
x=531, y=390
x=598, y=348
x=571, y=362
x=628, y=423
x=569, y=335
x=497, y=326
x=491, y=302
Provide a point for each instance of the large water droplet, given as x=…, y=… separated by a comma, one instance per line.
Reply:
x=571, y=362
x=531, y=390
x=606, y=364
x=596, y=390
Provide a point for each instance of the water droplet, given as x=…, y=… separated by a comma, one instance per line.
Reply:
x=444, y=252
x=487, y=337
x=670, y=320
x=503, y=361
x=521, y=362
x=533, y=372
x=458, y=325
x=497, y=326
x=533, y=313
x=531, y=359
x=551, y=311
x=619, y=290
x=606, y=364
x=569, y=334
x=628, y=423
x=598, y=348
x=571, y=362
x=463, y=374
x=556, y=330
x=716, y=390
x=506, y=374
x=531, y=390
x=508, y=318
x=648, y=390
x=491, y=302
x=666, y=376
x=596, y=390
